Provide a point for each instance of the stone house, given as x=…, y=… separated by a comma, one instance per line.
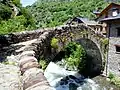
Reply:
x=99, y=28
x=111, y=17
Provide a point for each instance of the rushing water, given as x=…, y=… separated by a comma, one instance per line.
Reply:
x=61, y=79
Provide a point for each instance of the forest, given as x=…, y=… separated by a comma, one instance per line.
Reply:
x=45, y=13
x=52, y=13
x=14, y=17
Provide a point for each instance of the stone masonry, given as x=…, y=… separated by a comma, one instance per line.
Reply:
x=113, y=57
x=26, y=48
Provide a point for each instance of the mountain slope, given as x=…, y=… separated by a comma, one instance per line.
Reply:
x=50, y=13
x=13, y=17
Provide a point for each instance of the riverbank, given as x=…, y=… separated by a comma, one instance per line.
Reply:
x=104, y=84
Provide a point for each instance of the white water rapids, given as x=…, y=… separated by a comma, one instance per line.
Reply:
x=61, y=79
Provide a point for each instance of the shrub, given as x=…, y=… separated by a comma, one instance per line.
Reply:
x=114, y=79
x=54, y=43
x=70, y=48
x=75, y=56
x=105, y=44
x=9, y=63
x=5, y=12
x=13, y=25
x=111, y=76
x=43, y=64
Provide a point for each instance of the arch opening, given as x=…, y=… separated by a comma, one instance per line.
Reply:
x=94, y=64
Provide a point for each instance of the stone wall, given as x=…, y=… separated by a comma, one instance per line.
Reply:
x=6, y=40
x=67, y=33
x=89, y=39
x=32, y=75
x=113, y=56
x=64, y=34
x=33, y=78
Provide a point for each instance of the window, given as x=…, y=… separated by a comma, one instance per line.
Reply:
x=114, y=12
x=118, y=32
x=117, y=48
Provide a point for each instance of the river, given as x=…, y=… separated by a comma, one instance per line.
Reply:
x=61, y=79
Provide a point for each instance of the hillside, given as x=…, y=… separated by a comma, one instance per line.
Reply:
x=44, y=13
x=50, y=13
x=13, y=17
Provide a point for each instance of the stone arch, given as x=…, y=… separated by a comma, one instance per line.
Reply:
x=94, y=65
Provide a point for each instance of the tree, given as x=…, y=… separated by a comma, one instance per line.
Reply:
x=14, y=18
x=50, y=13
x=5, y=12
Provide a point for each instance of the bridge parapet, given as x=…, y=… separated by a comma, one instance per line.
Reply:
x=72, y=32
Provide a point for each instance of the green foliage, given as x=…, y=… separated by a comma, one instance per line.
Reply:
x=28, y=16
x=105, y=44
x=15, y=24
x=70, y=48
x=75, y=56
x=105, y=41
x=54, y=43
x=43, y=64
x=16, y=3
x=9, y=23
x=5, y=12
x=50, y=13
x=111, y=76
x=114, y=79
x=9, y=63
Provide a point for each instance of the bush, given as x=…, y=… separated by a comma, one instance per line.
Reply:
x=111, y=76
x=75, y=56
x=54, y=43
x=105, y=44
x=5, y=12
x=70, y=48
x=9, y=63
x=43, y=64
x=114, y=79
x=15, y=24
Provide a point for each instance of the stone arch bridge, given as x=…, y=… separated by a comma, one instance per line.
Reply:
x=25, y=48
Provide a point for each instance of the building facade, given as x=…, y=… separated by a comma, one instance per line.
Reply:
x=111, y=16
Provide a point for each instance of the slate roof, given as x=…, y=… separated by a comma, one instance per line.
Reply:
x=111, y=18
x=84, y=20
x=108, y=7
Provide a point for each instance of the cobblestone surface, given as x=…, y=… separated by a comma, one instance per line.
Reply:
x=9, y=77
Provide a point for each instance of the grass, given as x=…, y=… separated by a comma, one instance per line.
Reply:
x=9, y=63
x=43, y=64
x=114, y=79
